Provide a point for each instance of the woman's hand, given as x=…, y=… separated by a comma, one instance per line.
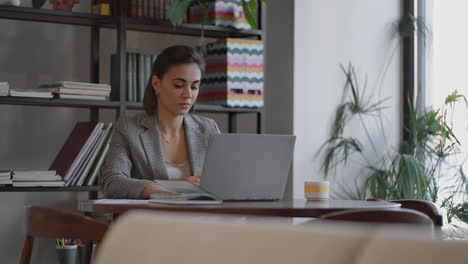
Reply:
x=194, y=179
x=150, y=189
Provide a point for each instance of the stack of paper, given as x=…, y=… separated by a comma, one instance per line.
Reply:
x=5, y=177
x=78, y=90
x=4, y=89
x=31, y=93
x=37, y=178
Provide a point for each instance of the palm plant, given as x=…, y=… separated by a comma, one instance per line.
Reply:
x=418, y=168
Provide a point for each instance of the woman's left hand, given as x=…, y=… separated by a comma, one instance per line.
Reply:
x=194, y=179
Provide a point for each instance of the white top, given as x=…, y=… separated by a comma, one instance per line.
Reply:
x=177, y=171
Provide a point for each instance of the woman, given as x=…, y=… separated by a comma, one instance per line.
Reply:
x=166, y=142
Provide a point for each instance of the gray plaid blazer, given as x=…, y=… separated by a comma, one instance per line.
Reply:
x=135, y=156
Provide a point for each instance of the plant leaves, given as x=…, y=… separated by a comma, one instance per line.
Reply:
x=177, y=11
x=454, y=98
x=250, y=10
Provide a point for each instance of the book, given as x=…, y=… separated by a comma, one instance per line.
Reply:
x=5, y=173
x=77, y=85
x=31, y=93
x=182, y=192
x=4, y=88
x=82, y=97
x=96, y=150
x=81, y=159
x=60, y=90
x=132, y=8
x=39, y=184
x=5, y=177
x=139, y=8
x=39, y=175
x=87, y=158
x=74, y=148
x=95, y=170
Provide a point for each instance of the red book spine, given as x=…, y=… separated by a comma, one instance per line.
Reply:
x=72, y=147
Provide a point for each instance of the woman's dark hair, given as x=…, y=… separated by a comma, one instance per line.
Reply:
x=169, y=57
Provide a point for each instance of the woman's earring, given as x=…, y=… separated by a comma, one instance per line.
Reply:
x=156, y=92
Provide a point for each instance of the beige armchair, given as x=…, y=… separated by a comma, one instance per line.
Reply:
x=179, y=238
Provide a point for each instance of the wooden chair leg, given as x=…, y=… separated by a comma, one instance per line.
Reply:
x=89, y=252
x=27, y=250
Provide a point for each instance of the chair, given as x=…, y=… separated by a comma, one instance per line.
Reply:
x=423, y=206
x=57, y=223
x=404, y=216
x=147, y=237
x=426, y=207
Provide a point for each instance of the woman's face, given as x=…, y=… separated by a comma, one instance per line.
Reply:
x=178, y=89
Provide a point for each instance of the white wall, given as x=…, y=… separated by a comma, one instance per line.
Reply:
x=328, y=33
x=447, y=67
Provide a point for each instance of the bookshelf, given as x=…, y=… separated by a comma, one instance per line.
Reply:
x=51, y=189
x=120, y=23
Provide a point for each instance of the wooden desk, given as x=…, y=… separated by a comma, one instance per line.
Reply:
x=292, y=208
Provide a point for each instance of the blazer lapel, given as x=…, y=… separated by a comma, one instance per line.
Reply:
x=196, y=142
x=151, y=141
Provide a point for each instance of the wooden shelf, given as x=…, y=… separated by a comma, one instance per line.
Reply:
x=51, y=189
x=54, y=16
x=31, y=101
x=206, y=108
x=9, y=100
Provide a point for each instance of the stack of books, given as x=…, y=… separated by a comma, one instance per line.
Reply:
x=5, y=177
x=81, y=157
x=31, y=93
x=78, y=90
x=41, y=178
x=6, y=91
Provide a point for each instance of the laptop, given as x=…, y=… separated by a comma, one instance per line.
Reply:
x=238, y=167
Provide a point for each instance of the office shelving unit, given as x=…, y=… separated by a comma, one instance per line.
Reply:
x=120, y=23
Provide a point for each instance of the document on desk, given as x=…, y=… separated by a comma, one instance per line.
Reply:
x=182, y=192
x=120, y=201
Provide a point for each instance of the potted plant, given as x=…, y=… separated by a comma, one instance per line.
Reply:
x=417, y=168
x=178, y=9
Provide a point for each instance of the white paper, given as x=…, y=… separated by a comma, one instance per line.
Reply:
x=120, y=201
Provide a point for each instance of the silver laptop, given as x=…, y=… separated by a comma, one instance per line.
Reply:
x=238, y=167
x=247, y=166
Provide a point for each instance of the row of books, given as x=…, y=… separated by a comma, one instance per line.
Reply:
x=62, y=90
x=81, y=157
x=138, y=73
x=40, y=178
x=78, y=162
x=152, y=9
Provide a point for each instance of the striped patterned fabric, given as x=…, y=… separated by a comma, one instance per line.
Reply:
x=234, y=73
x=226, y=13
